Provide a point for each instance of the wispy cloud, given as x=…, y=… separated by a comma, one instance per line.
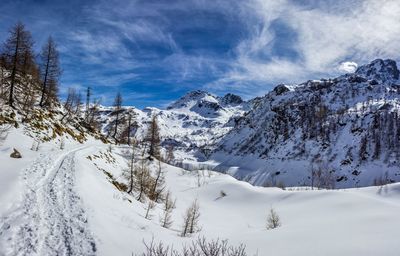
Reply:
x=158, y=50
x=327, y=35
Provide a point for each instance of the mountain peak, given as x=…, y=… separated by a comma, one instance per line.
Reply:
x=192, y=98
x=231, y=99
x=380, y=70
x=195, y=94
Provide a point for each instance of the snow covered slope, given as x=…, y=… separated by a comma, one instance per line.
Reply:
x=62, y=201
x=342, y=132
x=196, y=120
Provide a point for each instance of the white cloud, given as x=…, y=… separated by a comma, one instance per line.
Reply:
x=328, y=34
x=348, y=67
x=367, y=31
x=357, y=30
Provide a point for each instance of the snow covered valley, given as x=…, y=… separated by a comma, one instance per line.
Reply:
x=68, y=201
x=199, y=128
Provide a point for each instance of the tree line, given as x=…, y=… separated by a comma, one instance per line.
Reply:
x=28, y=78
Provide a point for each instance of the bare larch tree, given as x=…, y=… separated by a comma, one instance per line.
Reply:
x=130, y=173
x=49, y=73
x=169, y=205
x=87, y=110
x=191, y=219
x=153, y=138
x=18, y=56
x=158, y=185
x=117, y=113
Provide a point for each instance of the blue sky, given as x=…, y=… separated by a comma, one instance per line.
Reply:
x=153, y=51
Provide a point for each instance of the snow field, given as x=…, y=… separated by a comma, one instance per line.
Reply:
x=76, y=210
x=319, y=222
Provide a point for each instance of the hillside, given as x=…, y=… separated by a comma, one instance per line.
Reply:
x=66, y=201
x=342, y=132
x=347, y=127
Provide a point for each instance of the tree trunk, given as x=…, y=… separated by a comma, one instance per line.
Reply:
x=45, y=78
x=14, y=71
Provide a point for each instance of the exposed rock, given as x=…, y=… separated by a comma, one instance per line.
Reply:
x=231, y=99
x=281, y=89
x=379, y=69
x=15, y=154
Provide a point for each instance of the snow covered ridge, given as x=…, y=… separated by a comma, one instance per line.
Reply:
x=348, y=126
x=196, y=120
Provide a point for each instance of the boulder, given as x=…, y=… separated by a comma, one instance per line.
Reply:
x=15, y=154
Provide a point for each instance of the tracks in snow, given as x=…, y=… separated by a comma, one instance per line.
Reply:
x=50, y=219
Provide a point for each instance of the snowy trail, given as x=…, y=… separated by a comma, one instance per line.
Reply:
x=50, y=219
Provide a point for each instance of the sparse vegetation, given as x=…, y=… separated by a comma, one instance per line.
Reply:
x=150, y=206
x=169, y=205
x=62, y=143
x=119, y=185
x=322, y=176
x=170, y=157
x=281, y=185
x=4, y=130
x=273, y=220
x=191, y=219
x=382, y=180
x=117, y=120
x=142, y=180
x=158, y=185
x=222, y=194
x=129, y=173
x=199, y=247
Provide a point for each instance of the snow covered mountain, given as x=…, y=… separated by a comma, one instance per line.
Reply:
x=341, y=132
x=67, y=193
x=196, y=120
x=347, y=127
